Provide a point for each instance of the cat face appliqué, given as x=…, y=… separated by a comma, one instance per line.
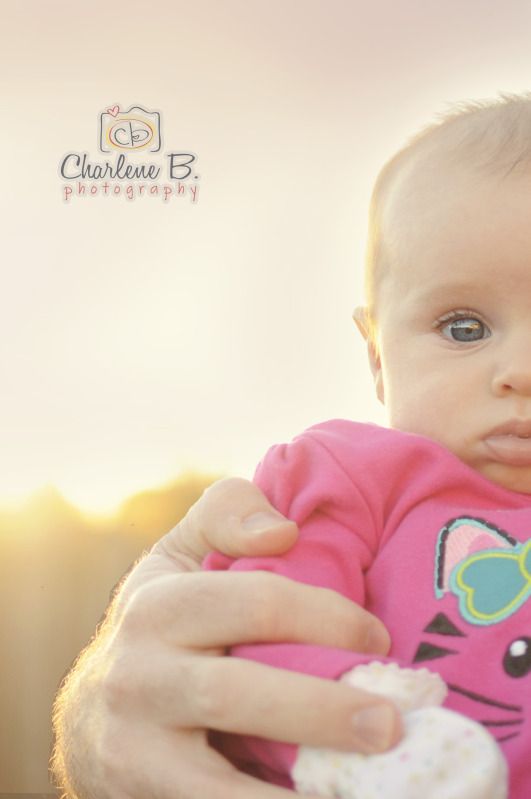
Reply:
x=488, y=572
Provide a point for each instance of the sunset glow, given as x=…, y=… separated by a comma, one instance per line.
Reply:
x=142, y=337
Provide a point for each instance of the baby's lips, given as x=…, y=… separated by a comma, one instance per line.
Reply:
x=509, y=449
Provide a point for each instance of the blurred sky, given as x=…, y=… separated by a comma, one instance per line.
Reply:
x=142, y=338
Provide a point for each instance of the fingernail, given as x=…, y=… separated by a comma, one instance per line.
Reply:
x=262, y=521
x=378, y=641
x=373, y=727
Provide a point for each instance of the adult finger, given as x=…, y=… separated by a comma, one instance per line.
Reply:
x=240, y=786
x=220, y=609
x=245, y=697
x=233, y=517
x=182, y=767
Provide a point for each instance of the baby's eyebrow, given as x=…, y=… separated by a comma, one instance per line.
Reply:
x=457, y=283
x=458, y=292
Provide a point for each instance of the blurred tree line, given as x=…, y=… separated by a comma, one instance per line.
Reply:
x=58, y=567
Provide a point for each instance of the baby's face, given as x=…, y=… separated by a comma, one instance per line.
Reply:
x=453, y=320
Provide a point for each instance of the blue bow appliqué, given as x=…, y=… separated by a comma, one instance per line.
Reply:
x=493, y=584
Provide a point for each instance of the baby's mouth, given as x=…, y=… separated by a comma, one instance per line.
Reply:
x=510, y=443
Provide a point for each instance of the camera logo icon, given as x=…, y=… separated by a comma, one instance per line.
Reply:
x=134, y=130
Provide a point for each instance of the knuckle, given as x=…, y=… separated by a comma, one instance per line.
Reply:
x=187, y=597
x=118, y=753
x=167, y=606
x=191, y=590
x=229, y=497
x=119, y=683
x=265, y=614
x=147, y=602
x=211, y=691
x=137, y=610
x=226, y=489
x=110, y=755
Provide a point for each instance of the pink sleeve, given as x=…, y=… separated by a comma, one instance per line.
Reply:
x=305, y=481
x=337, y=543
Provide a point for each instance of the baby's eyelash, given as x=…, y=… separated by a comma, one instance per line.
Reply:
x=452, y=316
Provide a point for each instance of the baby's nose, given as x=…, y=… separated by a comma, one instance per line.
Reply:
x=514, y=374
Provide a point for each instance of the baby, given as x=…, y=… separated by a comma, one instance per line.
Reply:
x=428, y=524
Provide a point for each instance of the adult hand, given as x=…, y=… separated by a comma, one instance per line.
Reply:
x=132, y=716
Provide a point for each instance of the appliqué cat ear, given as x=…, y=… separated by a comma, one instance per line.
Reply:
x=461, y=538
x=488, y=571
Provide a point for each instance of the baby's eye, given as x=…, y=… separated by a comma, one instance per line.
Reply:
x=464, y=329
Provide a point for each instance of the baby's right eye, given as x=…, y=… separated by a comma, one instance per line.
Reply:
x=464, y=329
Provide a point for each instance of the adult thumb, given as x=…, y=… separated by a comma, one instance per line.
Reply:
x=232, y=517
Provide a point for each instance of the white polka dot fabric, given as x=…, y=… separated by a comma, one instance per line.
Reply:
x=443, y=754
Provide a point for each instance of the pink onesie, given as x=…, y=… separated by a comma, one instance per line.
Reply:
x=441, y=555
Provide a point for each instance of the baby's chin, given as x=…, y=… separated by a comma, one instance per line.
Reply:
x=512, y=478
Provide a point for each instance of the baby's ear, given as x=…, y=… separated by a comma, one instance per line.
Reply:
x=366, y=327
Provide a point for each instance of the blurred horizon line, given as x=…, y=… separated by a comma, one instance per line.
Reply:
x=49, y=497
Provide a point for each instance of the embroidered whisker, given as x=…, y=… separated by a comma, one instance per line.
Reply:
x=507, y=737
x=484, y=699
x=509, y=723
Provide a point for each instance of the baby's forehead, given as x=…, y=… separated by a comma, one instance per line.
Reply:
x=467, y=247
x=479, y=146
x=414, y=201
x=432, y=190
x=420, y=191
x=478, y=141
